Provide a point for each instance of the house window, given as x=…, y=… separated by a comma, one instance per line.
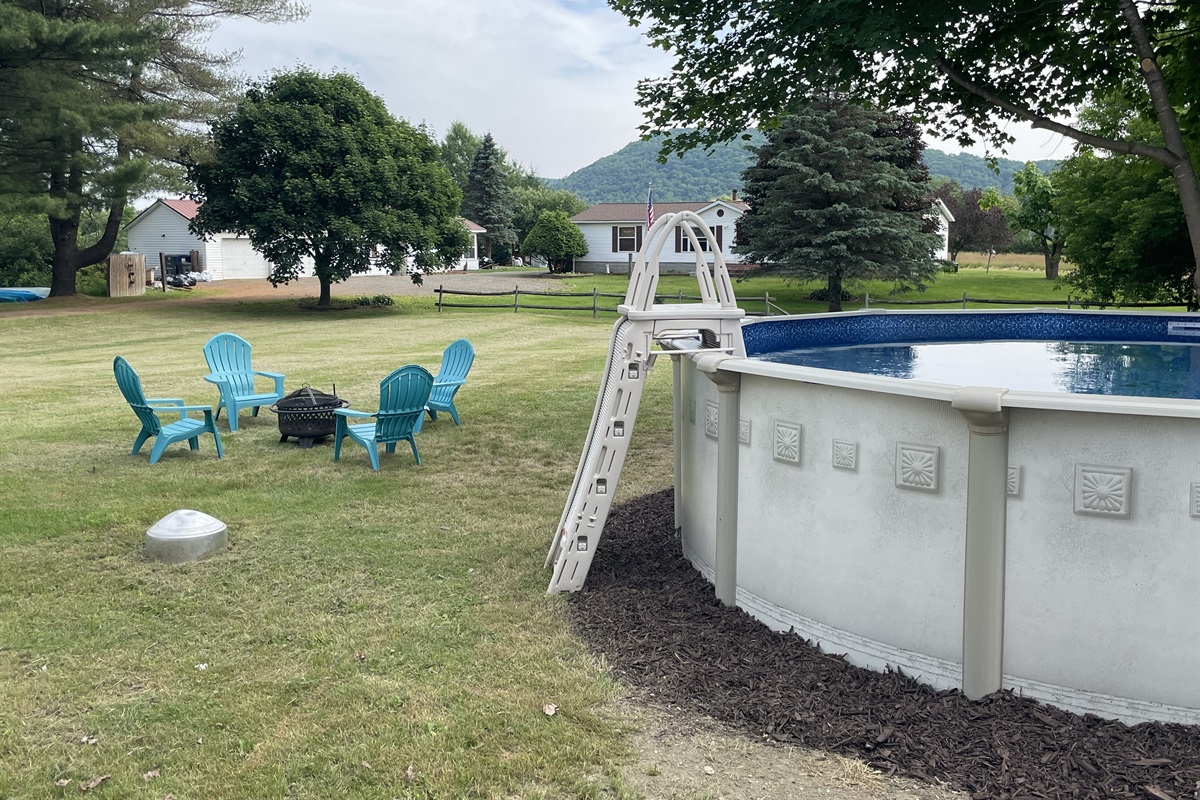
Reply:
x=685, y=244
x=625, y=238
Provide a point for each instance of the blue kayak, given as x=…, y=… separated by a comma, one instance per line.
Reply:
x=22, y=295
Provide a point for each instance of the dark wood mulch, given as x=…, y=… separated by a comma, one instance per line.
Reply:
x=661, y=628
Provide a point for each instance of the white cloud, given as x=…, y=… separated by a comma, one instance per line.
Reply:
x=553, y=80
x=554, y=83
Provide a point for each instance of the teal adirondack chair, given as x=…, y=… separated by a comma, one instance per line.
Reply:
x=452, y=374
x=228, y=357
x=402, y=399
x=148, y=409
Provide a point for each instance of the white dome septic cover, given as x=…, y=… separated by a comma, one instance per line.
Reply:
x=185, y=535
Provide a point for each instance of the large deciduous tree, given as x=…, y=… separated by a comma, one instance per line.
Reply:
x=310, y=165
x=488, y=198
x=1125, y=230
x=96, y=97
x=839, y=193
x=967, y=66
x=557, y=238
x=1034, y=211
x=530, y=202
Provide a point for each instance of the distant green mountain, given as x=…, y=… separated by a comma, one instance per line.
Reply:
x=699, y=175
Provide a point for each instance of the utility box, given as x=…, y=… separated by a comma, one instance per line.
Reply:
x=126, y=274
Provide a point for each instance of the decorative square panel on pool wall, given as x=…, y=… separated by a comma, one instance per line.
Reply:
x=1195, y=498
x=1014, y=481
x=744, y=431
x=691, y=410
x=845, y=454
x=1102, y=491
x=917, y=466
x=710, y=419
x=787, y=442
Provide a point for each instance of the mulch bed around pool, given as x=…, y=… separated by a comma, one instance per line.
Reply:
x=657, y=622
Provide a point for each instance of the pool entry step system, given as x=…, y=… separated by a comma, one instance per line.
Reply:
x=714, y=323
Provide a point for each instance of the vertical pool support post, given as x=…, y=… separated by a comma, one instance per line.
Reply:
x=987, y=520
x=729, y=412
x=677, y=431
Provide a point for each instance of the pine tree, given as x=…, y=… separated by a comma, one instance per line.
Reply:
x=96, y=98
x=839, y=193
x=488, y=199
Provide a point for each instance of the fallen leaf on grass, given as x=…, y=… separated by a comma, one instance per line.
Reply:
x=360, y=656
x=549, y=709
x=365, y=764
x=88, y=740
x=63, y=782
x=151, y=775
x=410, y=774
x=87, y=786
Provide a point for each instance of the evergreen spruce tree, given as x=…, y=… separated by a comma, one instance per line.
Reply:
x=839, y=193
x=488, y=199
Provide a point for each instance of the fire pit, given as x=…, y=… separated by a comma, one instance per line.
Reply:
x=307, y=414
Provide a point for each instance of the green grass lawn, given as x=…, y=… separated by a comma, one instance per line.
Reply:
x=361, y=623
x=368, y=634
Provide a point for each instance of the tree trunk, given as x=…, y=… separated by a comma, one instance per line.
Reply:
x=1181, y=170
x=834, y=286
x=325, y=295
x=64, y=231
x=1052, y=254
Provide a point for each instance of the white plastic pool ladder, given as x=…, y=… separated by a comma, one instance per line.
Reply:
x=715, y=321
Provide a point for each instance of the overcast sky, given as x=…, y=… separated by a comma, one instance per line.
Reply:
x=553, y=80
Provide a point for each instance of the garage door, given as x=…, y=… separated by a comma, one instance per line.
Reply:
x=240, y=260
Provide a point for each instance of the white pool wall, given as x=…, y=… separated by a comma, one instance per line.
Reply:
x=1101, y=614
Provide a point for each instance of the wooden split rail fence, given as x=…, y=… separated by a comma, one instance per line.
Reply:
x=1070, y=303
x=519, y=299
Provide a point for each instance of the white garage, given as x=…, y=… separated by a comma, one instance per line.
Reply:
x=239, y=259
x=160, y=232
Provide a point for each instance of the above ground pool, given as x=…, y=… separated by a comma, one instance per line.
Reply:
x=979, y=498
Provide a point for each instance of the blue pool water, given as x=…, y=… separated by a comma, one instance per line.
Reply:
x=1111, y=368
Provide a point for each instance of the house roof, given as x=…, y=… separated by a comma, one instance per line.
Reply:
x=188, y=209
x=940, y=208
x=472, y=227
x=636, y=212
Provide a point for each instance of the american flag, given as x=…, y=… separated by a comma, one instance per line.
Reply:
x=649, y=207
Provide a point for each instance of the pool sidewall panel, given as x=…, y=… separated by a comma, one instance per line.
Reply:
x=1101, y=614
x=1109, y=606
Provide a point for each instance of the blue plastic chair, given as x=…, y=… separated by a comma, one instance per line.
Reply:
x=452, y=374
x=228, y=357
x=148, y=409
x=402, y=399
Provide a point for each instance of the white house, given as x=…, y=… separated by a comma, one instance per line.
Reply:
x=943, y=217
x=160, y=232
x=614, y=231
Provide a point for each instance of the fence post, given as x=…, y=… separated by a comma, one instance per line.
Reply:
x=866, y=299
x=439, y=291
x=1068, y=301
x=767, y=303
x=516, y=297
x=964, y=299
x=681, y=295
x=594, y=296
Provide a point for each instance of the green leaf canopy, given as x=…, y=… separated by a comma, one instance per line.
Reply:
x=314, y=165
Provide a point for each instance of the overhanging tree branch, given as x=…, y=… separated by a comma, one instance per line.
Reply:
x=1160, y=154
